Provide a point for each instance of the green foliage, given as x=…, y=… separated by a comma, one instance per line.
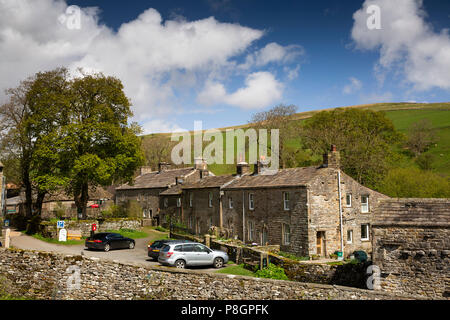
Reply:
x=413, y=182
x=363, y=137
x=292, y=256
x=272, y=272
x=238, y=270
x=162, y=229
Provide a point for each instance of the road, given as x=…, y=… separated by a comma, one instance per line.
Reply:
x=137, y=256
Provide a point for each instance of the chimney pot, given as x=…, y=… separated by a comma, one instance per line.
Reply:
x=163, y=166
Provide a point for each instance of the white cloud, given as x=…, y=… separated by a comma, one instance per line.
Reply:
x=407, y=43
x=261, y=90
x=161, y=126
x=273, y=53
x=155, y=59
x=353, y=86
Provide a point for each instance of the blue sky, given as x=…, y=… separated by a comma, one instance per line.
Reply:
x=220, y=61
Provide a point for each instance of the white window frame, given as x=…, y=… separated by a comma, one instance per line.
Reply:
x=210, y=199
x=286, y=201
x=251, y=230
x=286, y=235
x=191, y=199
x=348, y=196
x=365, y=205
x=178, y=202
x=350, y=239
x=230, y=202
x=251, y=201
x=366, y=225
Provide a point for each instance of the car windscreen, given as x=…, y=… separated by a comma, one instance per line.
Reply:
x=99, y=236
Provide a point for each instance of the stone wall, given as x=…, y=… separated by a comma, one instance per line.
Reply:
x=411, y=238
x=49, y=230
x=39, y=275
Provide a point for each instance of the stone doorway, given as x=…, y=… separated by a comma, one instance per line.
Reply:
x=320, y=243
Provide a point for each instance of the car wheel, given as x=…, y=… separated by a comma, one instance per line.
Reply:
x=180, y=264
x=107, y=247
x=218, y=263
x=131, y=245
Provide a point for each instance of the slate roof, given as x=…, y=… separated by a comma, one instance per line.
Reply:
x=413, y=212
x=157, y=179
x=283, y=178
x=210, y=182
x=172, y=191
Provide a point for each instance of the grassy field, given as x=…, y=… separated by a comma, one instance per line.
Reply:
x=237, y=270
x=133, y=234
x=403, y=115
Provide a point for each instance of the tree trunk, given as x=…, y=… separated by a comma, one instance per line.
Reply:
x=39, y=201
x=28, y=191
x=81, y=198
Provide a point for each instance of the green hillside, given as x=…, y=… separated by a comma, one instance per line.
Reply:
x=403, y=115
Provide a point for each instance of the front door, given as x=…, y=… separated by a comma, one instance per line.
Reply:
x=320, y=243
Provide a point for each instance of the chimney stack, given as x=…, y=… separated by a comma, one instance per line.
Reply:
x=332, y=159
x=163, y=166
x=260, y=166
x=242, y=168
x=145, y=170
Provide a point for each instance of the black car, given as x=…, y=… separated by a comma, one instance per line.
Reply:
x=108, y=240
x=155, y=246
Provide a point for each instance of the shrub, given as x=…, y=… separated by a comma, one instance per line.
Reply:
x=272, y=272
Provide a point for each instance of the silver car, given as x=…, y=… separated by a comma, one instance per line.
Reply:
x=191, y=254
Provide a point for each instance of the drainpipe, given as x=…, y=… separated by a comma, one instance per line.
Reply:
x=340, y=215
x=243, y=216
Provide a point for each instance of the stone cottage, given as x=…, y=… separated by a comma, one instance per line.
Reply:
x=299, y=209
x=411, y=241
x=146, y=187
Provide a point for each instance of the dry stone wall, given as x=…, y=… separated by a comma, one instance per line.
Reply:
x=41, y=275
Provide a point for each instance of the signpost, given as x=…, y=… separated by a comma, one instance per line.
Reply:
x=63, y=235
x=60, y=224
x=93, y=229
x=7, y=238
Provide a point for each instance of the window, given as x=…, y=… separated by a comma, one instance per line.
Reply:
x=348, y=200
x=188, y=248
x=178, y=202
x=349, y=236
x=364, y=204
x=364, y=232
x=286, y=234
x=166, y=202
x=191, y=222
x=230, y=202
x=286, y=200
x=251, y=203
x=210, y=199
x=210, y=222
x=251, y=230
x=191, y=199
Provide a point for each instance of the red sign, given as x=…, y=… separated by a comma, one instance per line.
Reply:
x=94, y=227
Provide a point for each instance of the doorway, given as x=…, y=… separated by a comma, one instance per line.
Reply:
x=320, y=243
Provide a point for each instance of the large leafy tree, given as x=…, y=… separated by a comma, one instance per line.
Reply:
x=364, y=138
x=278, y=117
x=34, y=110
x=98, y=147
